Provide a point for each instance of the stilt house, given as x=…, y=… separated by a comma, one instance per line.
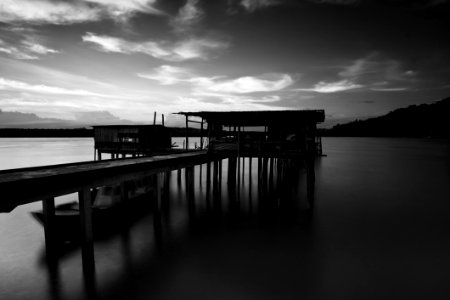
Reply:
x=135, y=140
x=260, y=133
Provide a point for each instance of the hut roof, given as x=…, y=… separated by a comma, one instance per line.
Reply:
x=259, y=118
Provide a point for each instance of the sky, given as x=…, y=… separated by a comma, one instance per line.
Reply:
x=88, y=60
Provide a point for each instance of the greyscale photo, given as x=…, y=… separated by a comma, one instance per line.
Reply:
x=224, y=149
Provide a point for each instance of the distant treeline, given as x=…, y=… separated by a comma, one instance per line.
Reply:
x=425, y=120
x=78, y=132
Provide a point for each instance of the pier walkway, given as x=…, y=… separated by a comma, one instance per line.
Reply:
x=26, y=185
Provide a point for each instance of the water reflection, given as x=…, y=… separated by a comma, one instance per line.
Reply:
x=208, y=199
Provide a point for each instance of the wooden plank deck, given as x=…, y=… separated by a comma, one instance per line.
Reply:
x=22, y=186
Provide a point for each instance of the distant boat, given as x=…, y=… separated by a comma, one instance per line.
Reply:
x=110, y=213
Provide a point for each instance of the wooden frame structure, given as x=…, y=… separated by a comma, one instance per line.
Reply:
x=289, y=133
x=135, y=140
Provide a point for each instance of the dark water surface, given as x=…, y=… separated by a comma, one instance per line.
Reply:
x=380, y=229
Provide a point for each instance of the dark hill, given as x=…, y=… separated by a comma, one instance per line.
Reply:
x=425, y=120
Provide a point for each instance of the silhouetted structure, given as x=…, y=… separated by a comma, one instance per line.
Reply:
x=136, y=140
x=280, y=140
x=261, y=133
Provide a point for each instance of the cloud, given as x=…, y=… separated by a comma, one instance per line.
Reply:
x=375, y=70
x=191, y=48
x=24, y=47
x=252, y=5
x=44, y=11
x=168, y=75
x=6, y=84
x=391, y=89
x=35, y=47
x=15, y=52
x=332, y=87
x=188, y=15
x=337, y=2
x=120, y=7
x=69, y=12
x=249, y=84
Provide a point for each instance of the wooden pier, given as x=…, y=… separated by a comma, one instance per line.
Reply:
x=282, y=138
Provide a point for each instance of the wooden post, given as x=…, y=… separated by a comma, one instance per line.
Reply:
x=48, y=208
x=85, y=202
x=187, y=133
x=154, y=118
x=201, y=135
x=162, y=119
x=87, y=246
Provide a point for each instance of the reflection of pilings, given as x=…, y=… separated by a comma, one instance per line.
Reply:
x=208, y=185
x=216, y=186
x=271, y=174
x=54, y=279
x=157, y=216
x=190, y=193
x=310, y=180
x=250, y=183
x=264, y=174
x=232, y=170
x=165, y=193
x=280, y=163
x=243, y=170
x=220, y=173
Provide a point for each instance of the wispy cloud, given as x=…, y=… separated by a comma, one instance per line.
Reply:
x=69, y=12
x=34, y=47
x=120, y=7
x=250, y=84
x=389, y=89
x=22, y=46
x=337, y=2
x=192, y=48
x=378, y=72
x=167, y=75
x=252, y=5
x=188, y=15
x=7, y=84
x=15, y=52
x=332, y=87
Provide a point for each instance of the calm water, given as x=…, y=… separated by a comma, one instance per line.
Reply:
x=380, y=229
